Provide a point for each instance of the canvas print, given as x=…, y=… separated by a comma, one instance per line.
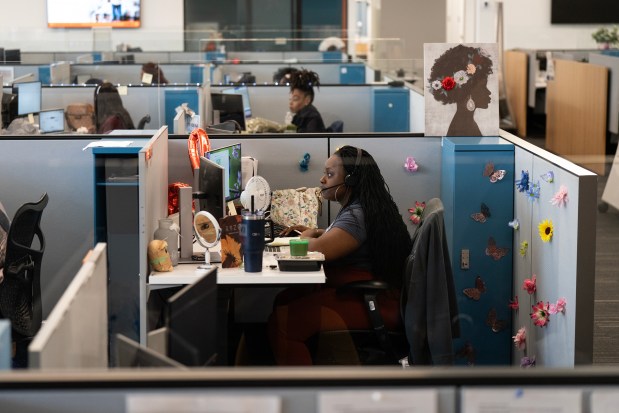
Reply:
x=461, y=89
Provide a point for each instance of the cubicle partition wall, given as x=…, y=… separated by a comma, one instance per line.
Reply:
x=564, y=266
x=62, y=169
x=75, y=335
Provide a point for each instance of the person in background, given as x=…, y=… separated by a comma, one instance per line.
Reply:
x=109, y=110
x=5, y=224
x=305, y=116
x=154, y=70
x=367, y=240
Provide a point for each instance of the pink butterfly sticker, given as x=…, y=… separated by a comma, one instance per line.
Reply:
x=494, y=174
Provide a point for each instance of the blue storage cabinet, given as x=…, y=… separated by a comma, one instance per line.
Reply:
x=390, y=110
x=486, y=323
x=352, y=74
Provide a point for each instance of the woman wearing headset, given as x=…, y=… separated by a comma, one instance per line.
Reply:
x=367, y=240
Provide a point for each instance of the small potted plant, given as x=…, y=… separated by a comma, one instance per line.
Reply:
x=606, y=37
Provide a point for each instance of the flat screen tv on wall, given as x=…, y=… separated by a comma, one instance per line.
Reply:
x=584, y=12
x=93, y=13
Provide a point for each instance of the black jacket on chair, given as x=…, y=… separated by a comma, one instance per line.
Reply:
x=308, y=120
x=429, y=306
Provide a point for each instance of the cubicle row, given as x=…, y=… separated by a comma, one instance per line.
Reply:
x=378, y=108
x=60, y=167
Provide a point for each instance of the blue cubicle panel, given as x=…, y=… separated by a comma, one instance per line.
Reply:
x=331, y=57
x=215, y=57
x=196, y=74
x=477, y=213
x=352, y=74
x=45, y=76
x=5, y=345
x=175, y=98
x=390, y=110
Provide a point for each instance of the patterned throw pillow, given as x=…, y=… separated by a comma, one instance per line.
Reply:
x=300, y=206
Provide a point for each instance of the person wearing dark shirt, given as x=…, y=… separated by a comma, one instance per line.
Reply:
x=306, y=118
x=109, y=110
x=367, y=240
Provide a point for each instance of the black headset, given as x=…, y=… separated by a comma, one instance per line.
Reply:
x=351, y=179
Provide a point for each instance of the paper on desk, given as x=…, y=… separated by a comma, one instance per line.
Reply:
x=281, y=241
x=107, y=144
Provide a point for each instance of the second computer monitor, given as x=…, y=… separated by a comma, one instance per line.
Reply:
x=229, y=157
x=244, y=92
x=28, y=97
x=228, y=107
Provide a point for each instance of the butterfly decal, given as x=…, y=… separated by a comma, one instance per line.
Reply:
x=482, y=215
x=468, y=352
x=495, y=252
x=475, y=293
x=493, y=322
x=492, y=174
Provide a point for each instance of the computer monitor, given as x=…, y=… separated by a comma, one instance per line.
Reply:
x=131, y=354
x=228, y=107
x=229, y=157
x=51, y=121
x=28, y=97
x=191, y=320
x=12, y=56
x=211, y=191
x=244, y=92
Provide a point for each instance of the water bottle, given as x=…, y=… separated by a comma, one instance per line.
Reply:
x=166, y=233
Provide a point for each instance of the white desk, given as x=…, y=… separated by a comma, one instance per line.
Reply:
x=270, y=275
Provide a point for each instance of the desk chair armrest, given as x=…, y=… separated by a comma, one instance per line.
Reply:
x=363, y=287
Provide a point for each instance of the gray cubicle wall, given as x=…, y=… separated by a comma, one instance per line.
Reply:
x=131, y=73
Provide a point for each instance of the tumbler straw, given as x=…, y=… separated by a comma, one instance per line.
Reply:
x=252, y=205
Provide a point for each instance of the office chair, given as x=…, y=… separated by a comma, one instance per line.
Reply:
x=20, y=293
x=336, y=127
x=428, y=307
x=143, y=122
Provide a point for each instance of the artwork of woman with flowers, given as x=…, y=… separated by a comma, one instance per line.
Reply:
x=461, y=79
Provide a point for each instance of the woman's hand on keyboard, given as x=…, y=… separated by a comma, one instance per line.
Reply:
x=294, y=229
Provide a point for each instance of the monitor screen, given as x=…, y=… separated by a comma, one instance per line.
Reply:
x=211, y=190
x=191, y=320
x=228, y=107
x=244, y=92
x=229, y=157
x=51, y=121
x=28, y=97
x=93, y=13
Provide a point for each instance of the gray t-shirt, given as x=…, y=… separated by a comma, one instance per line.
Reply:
x=352, y=220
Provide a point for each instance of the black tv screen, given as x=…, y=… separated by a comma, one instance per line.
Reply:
x=93, y=13
x=584, y=12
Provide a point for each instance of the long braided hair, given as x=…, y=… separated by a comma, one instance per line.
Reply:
x=387, y=236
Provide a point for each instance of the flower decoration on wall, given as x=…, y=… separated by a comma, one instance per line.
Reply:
x=546, y=230
x=524, y=247
x=515, y=224
x=520, y=339
x=304, y=162
x=533, y=192
x=540, y=314
x=513, y=304
x=417, y=211
x=548, y=177
x=530, y=284
x=558, y=307
x=410, y=164
x=522, y=184
x=560, y=198
x=527, y=362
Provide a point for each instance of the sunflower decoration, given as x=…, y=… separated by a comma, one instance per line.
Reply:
x=546, y=229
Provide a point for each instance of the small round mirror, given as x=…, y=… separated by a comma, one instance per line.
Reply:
x=207, y=229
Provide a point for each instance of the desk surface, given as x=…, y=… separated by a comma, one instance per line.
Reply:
x=189, y=273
